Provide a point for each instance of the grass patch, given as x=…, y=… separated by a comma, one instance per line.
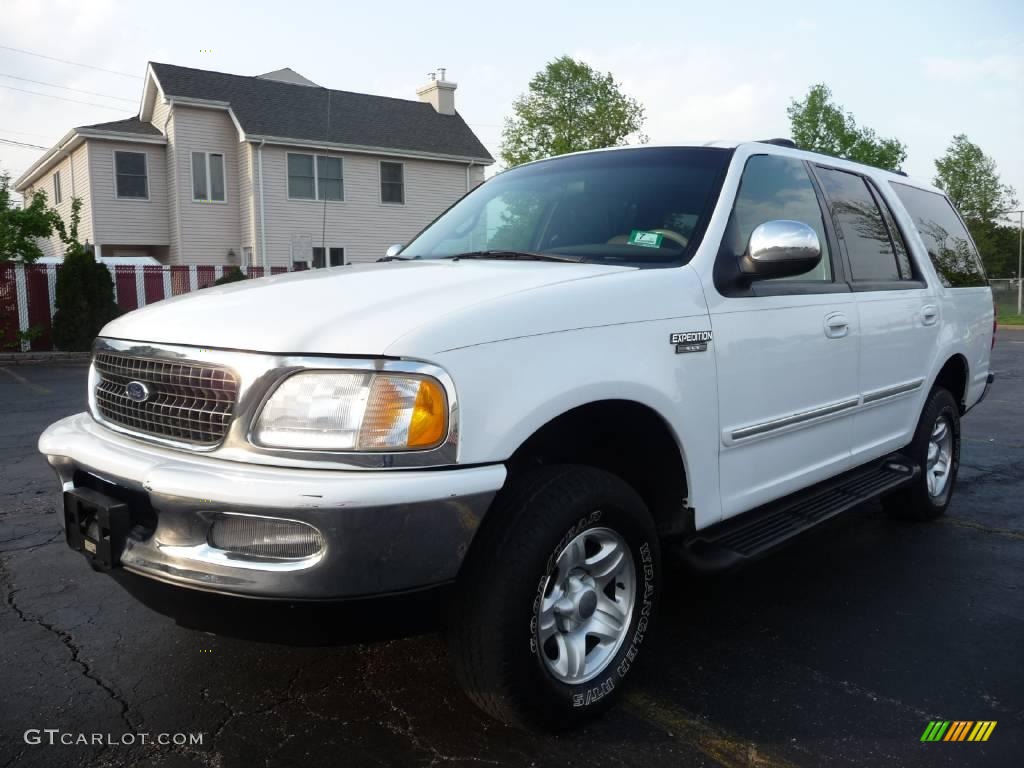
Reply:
x=1006, y=318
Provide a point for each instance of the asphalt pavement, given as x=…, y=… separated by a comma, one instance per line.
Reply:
x=837, y=651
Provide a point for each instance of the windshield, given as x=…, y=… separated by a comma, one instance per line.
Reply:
x=643, y=207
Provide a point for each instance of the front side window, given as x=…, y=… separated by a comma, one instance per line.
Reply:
x=638, y=207
x=208, y=177
x=315, y=177
x=329, y=257
x=131, y=177
x=57, y=197
x=949, y=245
x=775, y=187
x=392, y=183
x=860, y=226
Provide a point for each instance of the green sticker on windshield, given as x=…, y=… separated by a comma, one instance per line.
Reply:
x=646, y=239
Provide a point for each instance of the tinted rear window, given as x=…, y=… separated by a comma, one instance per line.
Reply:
x=860, y=225
x=944, y=235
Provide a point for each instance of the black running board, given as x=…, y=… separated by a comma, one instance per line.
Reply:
x=755, y=533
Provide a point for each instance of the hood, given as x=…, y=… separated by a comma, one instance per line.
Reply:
x=355, y=310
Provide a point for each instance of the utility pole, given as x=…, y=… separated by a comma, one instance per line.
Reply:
x=1020, y=258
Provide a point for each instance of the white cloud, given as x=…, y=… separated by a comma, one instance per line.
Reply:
x=700, y=92
x=964, y=69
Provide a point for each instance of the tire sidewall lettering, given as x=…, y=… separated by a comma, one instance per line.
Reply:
x=604, y=685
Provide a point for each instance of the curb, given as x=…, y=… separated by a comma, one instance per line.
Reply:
x=35, y=358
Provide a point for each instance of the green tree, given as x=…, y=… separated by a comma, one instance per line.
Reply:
x=818, y=124
x=971, y=180
x=569, y=107
x=85, y=291
x=20, y=226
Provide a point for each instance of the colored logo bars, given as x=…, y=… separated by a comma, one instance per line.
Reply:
x=958, y=730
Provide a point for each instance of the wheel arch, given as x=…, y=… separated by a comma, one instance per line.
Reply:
x=954, y=376
x=627, y=438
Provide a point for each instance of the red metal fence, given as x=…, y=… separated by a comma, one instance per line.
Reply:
x=28, y=293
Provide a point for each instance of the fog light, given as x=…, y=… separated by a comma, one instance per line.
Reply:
x=265, y=537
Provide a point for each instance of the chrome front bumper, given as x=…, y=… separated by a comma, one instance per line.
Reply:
x=383, y=531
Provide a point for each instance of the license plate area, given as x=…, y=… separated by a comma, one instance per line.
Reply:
x=96, y=525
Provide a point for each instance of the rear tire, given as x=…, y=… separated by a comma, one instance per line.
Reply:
x=936, y=449
x=555, y=598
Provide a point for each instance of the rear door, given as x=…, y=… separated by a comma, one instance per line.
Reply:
x=899, y=314
x=785, y=350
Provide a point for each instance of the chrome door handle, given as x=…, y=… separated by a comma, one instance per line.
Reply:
x=836, y=325
x=929, y=314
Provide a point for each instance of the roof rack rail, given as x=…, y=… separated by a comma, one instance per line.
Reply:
x=779, y=142
x=899, y=172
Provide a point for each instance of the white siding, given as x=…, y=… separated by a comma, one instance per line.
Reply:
x=361, y=224
x=74, y=182
x=161, y=111
x=208, y=230
x=120, y=220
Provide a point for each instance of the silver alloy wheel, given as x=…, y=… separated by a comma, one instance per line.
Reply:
x=940, y=456
x=587, y=606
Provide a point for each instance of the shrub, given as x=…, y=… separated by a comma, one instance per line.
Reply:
x=85, y=293
x=231, y=275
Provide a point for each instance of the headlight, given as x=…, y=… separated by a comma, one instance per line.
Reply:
x=354, y=411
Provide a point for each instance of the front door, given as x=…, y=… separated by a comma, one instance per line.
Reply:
x=786, y=350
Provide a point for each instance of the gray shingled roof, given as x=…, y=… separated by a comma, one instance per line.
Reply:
x=273, y=108
x=128, y=125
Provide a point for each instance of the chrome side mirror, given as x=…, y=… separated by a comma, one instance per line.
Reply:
x=394, y=250
x=781, y=248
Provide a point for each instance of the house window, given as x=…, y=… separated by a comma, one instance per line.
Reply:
x=57, y=197
x=315, y=177
x=335, y=257
x=131, y=177
x=208, y=177
x=392, y=183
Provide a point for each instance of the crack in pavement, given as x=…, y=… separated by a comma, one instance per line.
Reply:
x=31, y=547
x=408, y=731
x=68, y=641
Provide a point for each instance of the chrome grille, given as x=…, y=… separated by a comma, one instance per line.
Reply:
x=188, y=402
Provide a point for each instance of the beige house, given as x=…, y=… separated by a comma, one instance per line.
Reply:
x=269, y=170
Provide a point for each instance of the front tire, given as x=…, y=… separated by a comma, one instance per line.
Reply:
x=936, y=449
x=555, y=598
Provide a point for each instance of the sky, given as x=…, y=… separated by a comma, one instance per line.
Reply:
x=918, y=70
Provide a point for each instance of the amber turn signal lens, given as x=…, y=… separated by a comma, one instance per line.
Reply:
x=429, y=416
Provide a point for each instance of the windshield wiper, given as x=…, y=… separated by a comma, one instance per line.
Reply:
x=396, y=258
x=514, y=256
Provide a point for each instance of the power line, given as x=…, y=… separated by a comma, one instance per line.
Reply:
x=26, y=133
x=73, y=63
x=20, y=144
x=67, y=88
x=63, y=98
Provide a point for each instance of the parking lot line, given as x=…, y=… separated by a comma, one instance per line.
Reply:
x=25, y=382
x=724, y=748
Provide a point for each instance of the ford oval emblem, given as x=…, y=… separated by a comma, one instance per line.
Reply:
x=137, y=391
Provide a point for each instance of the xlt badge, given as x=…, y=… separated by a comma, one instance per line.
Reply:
x=690, y=341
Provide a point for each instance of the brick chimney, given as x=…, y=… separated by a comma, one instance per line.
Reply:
x=439, y=93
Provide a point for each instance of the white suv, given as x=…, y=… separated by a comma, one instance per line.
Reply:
x=586, y=362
